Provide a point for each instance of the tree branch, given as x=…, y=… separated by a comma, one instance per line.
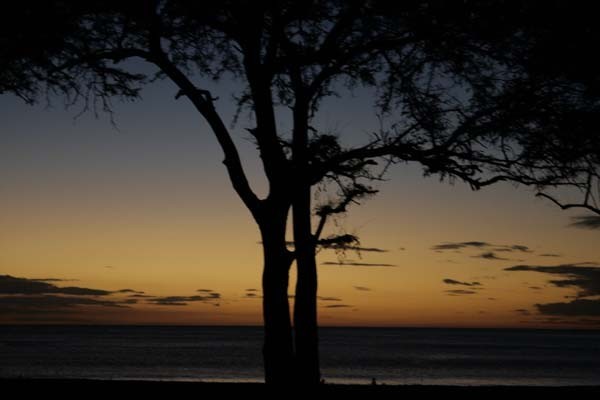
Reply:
x=341, y=60
x=202, y=100
x=320, y=226
x=232, y=159
x=115, y=55
x=567, y=206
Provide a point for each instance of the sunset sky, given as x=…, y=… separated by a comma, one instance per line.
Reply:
x=143, y=213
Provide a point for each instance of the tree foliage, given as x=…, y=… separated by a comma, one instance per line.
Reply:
x=479, y=91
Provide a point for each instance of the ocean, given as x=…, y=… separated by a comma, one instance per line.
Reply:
x=348, y=355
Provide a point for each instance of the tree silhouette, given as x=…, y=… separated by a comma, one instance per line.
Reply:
x=561, y=38
x=463, y=88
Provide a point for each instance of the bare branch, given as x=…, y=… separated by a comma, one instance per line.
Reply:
x=202, y=100
x=566, y=206
x=320, y=226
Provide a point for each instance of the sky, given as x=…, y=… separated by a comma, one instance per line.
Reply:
x=135, y=222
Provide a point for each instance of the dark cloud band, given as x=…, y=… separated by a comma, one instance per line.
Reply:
x=455, y=282
x=12, y=285
x=356, y=264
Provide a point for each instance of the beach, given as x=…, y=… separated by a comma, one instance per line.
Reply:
x=81, y=388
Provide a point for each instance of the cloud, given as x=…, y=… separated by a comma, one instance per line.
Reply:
x=170, y=303
x=129, y=291
x=210, y=293
x=535, y=288
x=54, y=280
x=512, y=248
x=367, y=249
x=362, y=288
x=181, y=300
x=550, y=255
x=521, y=248
x=356, y=264
x=12, y=285
x=453, y=282
x=492, y=298
x=251, y=294
x=459, y=292
x=585, y=277
x=23, y=297
x=490, y=255
x=338, y=306
x=324, y=298
x=586, y=221
x=575, y=308
x=568, y=320
x=78, y=291
x=50, y=303
x=565, y=320
x=458, y=245
x=251, y=290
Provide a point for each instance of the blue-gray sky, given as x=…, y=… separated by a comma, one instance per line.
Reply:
x=149, y=207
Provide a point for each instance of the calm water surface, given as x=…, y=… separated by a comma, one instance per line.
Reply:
x=349, y=355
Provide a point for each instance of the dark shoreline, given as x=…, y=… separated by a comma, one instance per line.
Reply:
x=78, y=388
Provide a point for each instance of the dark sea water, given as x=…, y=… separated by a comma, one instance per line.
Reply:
x=349, y=355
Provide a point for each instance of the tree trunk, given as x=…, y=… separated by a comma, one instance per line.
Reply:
x=278, y=350
x=305, y=302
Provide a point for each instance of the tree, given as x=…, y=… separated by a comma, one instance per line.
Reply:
x=458, y=86
x=561, y=39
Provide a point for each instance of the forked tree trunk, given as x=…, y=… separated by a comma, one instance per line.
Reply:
x=305, y=302
x=278, y=352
